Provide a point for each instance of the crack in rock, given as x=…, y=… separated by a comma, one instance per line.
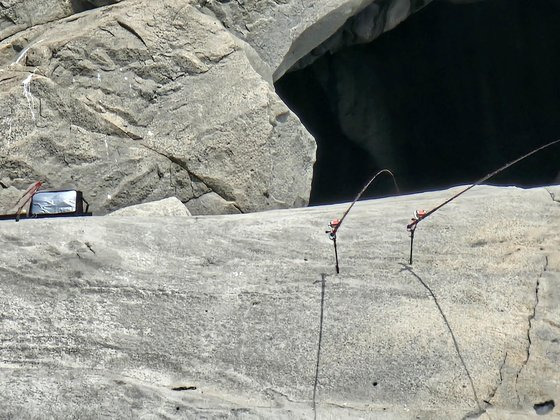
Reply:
x=500, y=380
x=529, y=327
x=553, y=196
x=130, y=29
x=191, y=174
x=90, y=247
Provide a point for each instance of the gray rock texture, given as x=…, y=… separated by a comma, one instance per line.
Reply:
x=242, y=316
x=171, y=206
x=139, y=101
x=17, y=15
x=284, y=32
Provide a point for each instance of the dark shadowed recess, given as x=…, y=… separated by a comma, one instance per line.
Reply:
x=83, y=5
x=459, y=90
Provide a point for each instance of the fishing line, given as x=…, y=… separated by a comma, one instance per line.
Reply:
x=335, y=224
x=27, y=195
x=421, y=214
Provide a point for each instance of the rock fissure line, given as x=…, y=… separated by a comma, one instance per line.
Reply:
x=194, y=197
x=175, y=161
x=275, y=391
x=552, y=196
x=500, y=380
x=107, y=30
x=90, y=247
x=529, y=327
x=191, y=174
x=130, y=29
x=8, y=79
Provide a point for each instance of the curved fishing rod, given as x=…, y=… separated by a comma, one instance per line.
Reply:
x=335, y=224
x=420, y=215
x=26, y=197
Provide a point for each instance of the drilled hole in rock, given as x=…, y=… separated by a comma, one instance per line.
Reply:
x=184, y=388
x=446, y=97
x=544, y=408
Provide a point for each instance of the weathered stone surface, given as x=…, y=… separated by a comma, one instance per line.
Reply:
x=18, y=15
x=171, y=206
x=210, y=202
x=554, y=192
x=8, y=198
x=283, y=32
x=145, y=100
x=105, y=316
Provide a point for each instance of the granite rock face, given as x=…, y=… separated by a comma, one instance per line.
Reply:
x=243, y=316
x=314, y=27
x=167, y=207
x=137, y=101
x=140, y=101
x=18, y=15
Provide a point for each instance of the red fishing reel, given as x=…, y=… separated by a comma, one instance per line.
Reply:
x=418, y=215
x=333, y=225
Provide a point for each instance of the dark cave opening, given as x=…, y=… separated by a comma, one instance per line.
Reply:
x=451, y=94
x=79, y=6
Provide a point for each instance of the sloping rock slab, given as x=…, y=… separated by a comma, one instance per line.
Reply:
x=243, y=315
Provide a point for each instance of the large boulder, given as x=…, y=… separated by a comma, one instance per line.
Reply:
x=244, y=316
x=285, y=32
x=137, y=101
x=142, y=100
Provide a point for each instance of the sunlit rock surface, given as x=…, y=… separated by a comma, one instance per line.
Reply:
x=122, y=317
x=168, y=207
x=285, y=32
x=137, y=101
x=141, y=101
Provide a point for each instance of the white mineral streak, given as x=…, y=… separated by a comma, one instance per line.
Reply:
x=25, y=50
x=27, y=93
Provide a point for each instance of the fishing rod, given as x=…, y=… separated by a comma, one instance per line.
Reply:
x=335, y=224
x=24, y=199
x=420, y=215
